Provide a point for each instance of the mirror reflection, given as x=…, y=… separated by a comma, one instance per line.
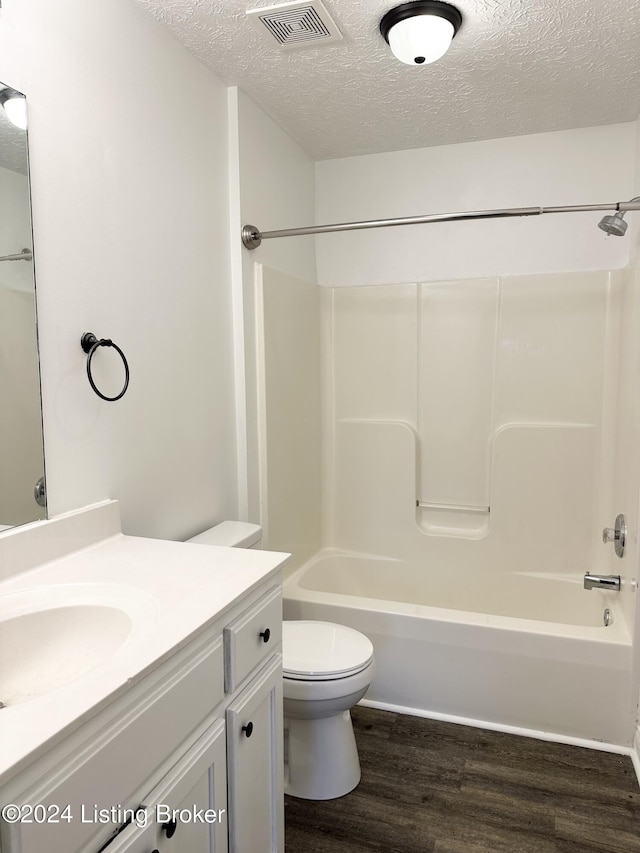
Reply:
x=21, y=449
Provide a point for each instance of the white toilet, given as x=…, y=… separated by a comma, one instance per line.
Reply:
x=327, y=669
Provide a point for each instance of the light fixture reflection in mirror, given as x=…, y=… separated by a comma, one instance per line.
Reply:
x=15, y=106
x=21, y=450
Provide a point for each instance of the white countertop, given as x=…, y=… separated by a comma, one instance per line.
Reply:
x=171, y=590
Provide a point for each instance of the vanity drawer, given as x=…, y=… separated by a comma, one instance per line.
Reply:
x=251, y=638
x=111, y=769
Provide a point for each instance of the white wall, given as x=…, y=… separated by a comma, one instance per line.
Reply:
x=277, y=181
x=567, y=167
x=274, y=184
x=128, y=153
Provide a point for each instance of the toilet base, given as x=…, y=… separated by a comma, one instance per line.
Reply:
x=313, y=772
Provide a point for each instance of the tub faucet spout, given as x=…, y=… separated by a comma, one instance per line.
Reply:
x=610, y=582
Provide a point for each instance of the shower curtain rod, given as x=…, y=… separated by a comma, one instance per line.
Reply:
x=252, y=237
x=24, y=255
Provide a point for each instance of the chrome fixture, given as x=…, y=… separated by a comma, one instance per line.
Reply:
x=615, y=224
x=252, y=237
x=608, y=582
x=24, y=255
x=421, y=32
x=607, y=617
x=616, y=534
x=15, y=106
x=40, y=492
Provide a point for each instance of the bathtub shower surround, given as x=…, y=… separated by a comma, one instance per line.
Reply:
x=469, y=436
x=289, y=411
x=501, y=387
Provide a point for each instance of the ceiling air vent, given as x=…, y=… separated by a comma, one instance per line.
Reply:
x=297, y=24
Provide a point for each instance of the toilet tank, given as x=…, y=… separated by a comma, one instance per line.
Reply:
x=232, y=534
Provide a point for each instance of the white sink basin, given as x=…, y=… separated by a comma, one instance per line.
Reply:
x=50, y=636
x=41, y=651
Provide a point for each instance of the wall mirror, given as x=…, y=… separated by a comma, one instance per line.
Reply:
x=21, y=442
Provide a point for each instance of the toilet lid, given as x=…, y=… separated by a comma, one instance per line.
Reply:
x=323, y=650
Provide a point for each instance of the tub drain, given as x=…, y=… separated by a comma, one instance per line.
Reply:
x=607, y=618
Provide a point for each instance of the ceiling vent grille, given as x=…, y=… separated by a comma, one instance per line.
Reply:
x=297, y=24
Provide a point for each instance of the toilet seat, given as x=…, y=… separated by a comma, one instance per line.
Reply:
x=323, y=651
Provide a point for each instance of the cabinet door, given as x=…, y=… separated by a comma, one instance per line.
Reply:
x=187, y=811
x=109, y=766
x=255, y=765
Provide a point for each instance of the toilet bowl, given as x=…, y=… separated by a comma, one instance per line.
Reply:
x=327, y=669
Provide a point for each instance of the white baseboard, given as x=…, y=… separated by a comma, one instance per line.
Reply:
x=634, y=752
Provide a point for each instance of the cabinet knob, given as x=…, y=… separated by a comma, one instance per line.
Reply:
x=266, y=635
x=170, y=828
x=248, y=729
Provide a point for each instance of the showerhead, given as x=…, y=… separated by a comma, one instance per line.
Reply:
x=614, y=224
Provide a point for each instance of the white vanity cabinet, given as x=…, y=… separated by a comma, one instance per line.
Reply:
x=201, y=734
x=255, y=765
x=186, y=812
x=255, y=727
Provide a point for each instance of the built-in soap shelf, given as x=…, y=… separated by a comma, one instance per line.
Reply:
x=533, y=467
x=443, y=519
x=452, y=507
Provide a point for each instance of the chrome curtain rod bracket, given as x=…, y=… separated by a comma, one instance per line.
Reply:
x=252, y=237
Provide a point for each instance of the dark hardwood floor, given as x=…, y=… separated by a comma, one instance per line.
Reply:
x=433, y=787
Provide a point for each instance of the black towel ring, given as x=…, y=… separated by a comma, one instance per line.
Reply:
x=90, y=344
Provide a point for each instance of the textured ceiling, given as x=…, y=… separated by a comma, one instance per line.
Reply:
x=515, y=67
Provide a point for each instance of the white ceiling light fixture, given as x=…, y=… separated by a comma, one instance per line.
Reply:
x=421, y=32
x=15, y=106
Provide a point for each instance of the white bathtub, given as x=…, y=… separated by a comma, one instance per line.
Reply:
x=550, y=666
